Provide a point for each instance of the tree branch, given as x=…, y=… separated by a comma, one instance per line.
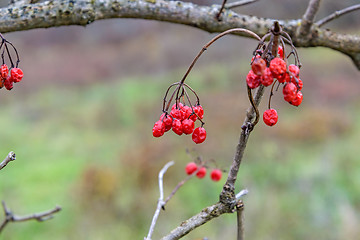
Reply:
x=337, y=14
x=10, y=157
x=10, y=217
x=82, y=12
x=308, y=18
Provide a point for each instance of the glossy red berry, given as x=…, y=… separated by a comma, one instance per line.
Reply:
x=267, y=79
x=298, y=99
x=199, y=111
x=190, y=168
x=258, y=66
x=289, y=92
x=167, y=121
x=188, y=126
x=278, y=68
x=177, y=127
x=252, y=80
x=16, y=74
x=176, y=113
x=281, y=52
x=201, y=173
x=179, y=105
x=4, y=71
x=216, y=175
x=8, y=83
x=186, y=112
x=270, y=117
x=199, y=135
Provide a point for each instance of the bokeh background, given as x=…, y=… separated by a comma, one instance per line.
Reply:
x=80, y=124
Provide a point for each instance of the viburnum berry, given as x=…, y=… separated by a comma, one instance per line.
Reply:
x=198, y=109
x=188, y=126
x=190, y=168
x=298, y=99
x=267, y=78
x=298, y=84
x=176, y=113
x=8, y=83
x=179, y=105
x=177, y=127
x=4, y=71
x=289, y=92
x=278, y=68
x=252, y=80
x=167, y=121
x=199, y=135
x=201, y=173
x=216, y=175
x=281, y=52
x=258, y=66
x=294, y=69
x=270, y=117
x=186, y=111
x=16, y=74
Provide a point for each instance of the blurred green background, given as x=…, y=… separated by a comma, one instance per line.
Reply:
x=80, y=124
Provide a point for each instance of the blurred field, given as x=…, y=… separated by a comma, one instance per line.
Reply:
x=80, y=124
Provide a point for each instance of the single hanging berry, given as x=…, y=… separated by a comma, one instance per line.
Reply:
x=190, y=168
x=258, y=66
x=278, y=68
x=199, y=135
x=188, y=126
x=216, y=175
x=167, y=121
x=267, y=79
x=270, y=117
x=177, y=127
x=294, y=69
x=158, y=129
x=252, y=80
x=289, y=92
x=201, y=173
x=16, y=74
x=298, y=84
x=4, y=71
x=186, y=111
x=298, y=99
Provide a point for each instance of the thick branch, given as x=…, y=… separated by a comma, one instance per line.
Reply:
x=10, y=157
x=308, y=18
x=82, y=12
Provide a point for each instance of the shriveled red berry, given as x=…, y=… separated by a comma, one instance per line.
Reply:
x=216, y=175
x=177, y=127
x=298, y=99
x=190, y=168
x=158, y=129
x=278, y=68
x=289, y=92
x=281, y=52
x=258, y=66
x=199, y=135
x=298, y=84
x=16, y=74
x=270, y=117
x=201, y=173
x=186, y=111
x=267, y=78
x=8, y=83
x=4, y=71
x=252, y=80
x=188, y=126
x=294, y=69
x=167, y=121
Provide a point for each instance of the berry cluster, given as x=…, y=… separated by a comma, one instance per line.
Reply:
x=192, y=167
x=268, y=72
x=181, y=120
x=8, y=78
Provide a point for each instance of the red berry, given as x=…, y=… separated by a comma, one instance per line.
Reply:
x=177, y=127
x=190, y=168
x=167, y=121
x=216, y=175
x=16, y=74
x=8, y=83
x=178, y=106
x=258, y=66
x=294, y=69
x=176, y=113
x=186, y=111
x=281, y=52
x=270, y=117
x=298, y=84
x=4, y=71
x=201, y=173
x=289, y=92
x=199, y=111
x=188, y=126
x=158, y=129
x=297, y=101
x=199, y=135
x=278, y=68
x=267, y=78
x=252, y=80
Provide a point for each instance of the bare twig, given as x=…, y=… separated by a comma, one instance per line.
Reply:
x=10, y=157
x=160, y=201
x=308, y=18
x=337, y=14
x=180, y=184
x=238, y=4
x=10, y=217
x=240, y=220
